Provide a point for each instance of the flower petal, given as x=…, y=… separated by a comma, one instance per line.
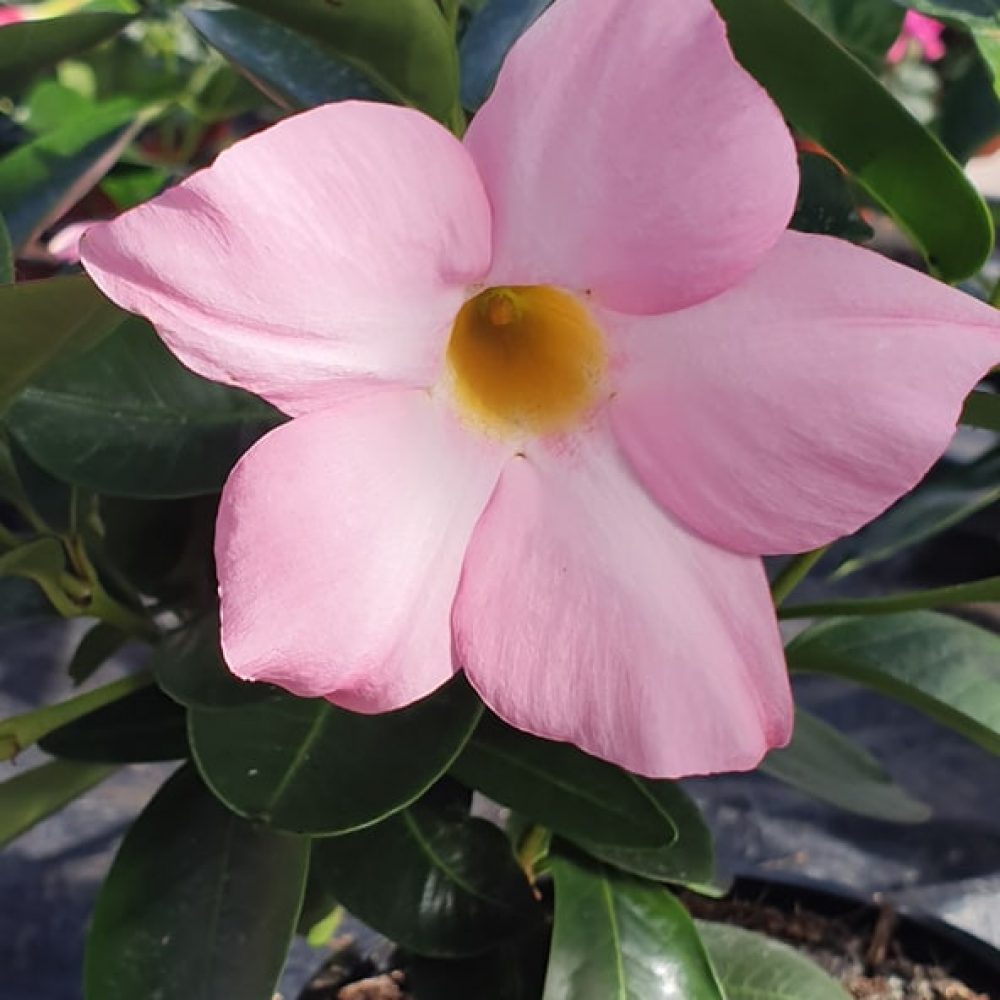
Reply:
x=330, y=250
x=626, y=152
x=586, y=614
x=339, y=546
x=798, y=406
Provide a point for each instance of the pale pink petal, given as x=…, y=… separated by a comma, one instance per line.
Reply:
x=339, y=546
x=796, y=407
x=332, y=249
x=586, y=614
x=65, y=244
x=626, y=152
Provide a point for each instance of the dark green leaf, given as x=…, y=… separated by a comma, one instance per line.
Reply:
x=754, y=967
x=22, y=601
x=866, y=27
x=945, y=667
x=866, y=129
x=688, y=861
x=30, y=797
x=6, y=255
x=32, y=45
x=42, y=561
x=188, y=665
x=974, y=13
x=306, y=766
x=100, y=643
x=824, y=763
x=615, y=936
x=486, y=42
x=982, y=409
x=42, y=320
x=435, y=880
x=825, y=203
x=198, y=905
x=561, y=787
x=143, y=726
x=127, y=419
x=404, y=47
x=293, y=70
x=44, y=178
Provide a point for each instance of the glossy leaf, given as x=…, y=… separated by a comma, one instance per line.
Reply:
x=199, y=904
x=127, y=419
x=290, y=68
x=98, y=645
x=304, y=765
x=615, y=936
x=435, y=880
x=143, y=726
x=31, y=796
x=945, y=667
x=825, y=764
x=486, y=42
x=688, y=861
x=403, y=47
x=561, y=787
x=41, y=321
x=866, y=129
x=751, y=966
x=32, y=45
x=825, y=204
x=44, y=178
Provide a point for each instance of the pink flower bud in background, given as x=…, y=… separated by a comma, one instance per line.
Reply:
x=922, y=32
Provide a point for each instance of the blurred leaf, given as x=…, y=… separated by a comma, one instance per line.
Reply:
x=21, y=601
x=98, y=645
x=42, y=320
x=404, y=47
x=688, y=861
x=973, y=13
x=41, y=180
x=198, y=905
x=32, y=45
x=51, y=105
x=292, y=70
x=43, y=561
x=143, y=726
x=825, y=764
x=323, y=770
x=486, y=42
x=30, y=797
x=6, y=255
x=969, y=111
x=825, y=204
x=982, y=409
x=945, y=667
x=866, y=27
x=434, y=880
x=130, y=186
x=860, y=124
x=127, y=419
x=561, y=787
x=615, y=936
x=755, y=967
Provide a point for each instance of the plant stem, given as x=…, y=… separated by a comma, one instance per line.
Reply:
x=793, y=573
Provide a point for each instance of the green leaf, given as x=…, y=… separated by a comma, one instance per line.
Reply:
x=42, y=561
x=304, y=765
x=754, y=967
x=561, y=787
x=6, y=255
x=127, y=419
x=825, y=204
x=488, y=39
x=615, y=936
x=866, y=129
x=404, y=47
x=198, y=905
x=982, y=409
x=431, y=878
x=509, y=972
x=30, y=797
x=866, y=27
x=98, y=645
x=291, y=69
x=143, y=726
x=824, y=763
x=41, y=180
x=688, y=861
x=32, y=45
x=43, y=320
x=188, y=665
x=973, y=13
x=945, y=667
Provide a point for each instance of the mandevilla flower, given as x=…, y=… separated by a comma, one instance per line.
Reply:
x=921, y=31
x=555, y=390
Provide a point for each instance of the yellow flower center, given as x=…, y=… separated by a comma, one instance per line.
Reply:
x=526, y=358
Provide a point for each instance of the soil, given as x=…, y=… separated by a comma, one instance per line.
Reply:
x=869, y=960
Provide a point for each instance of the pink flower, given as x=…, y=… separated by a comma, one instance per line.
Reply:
x=924, y=33
x=10, y=15
x=65, y=244
x=555, y=389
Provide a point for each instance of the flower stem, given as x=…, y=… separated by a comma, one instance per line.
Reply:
x=793, y=573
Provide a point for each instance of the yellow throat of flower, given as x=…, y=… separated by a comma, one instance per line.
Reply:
x=526, y=358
